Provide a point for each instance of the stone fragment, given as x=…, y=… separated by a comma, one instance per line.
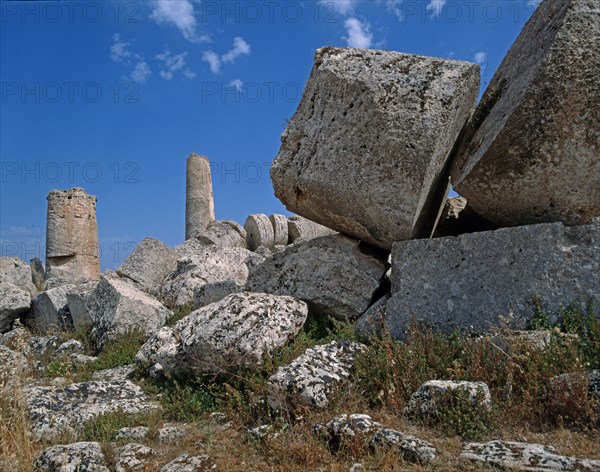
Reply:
x=116, y=374
x=77, y=304
x=188, y=463
x=370, y=121
x=312, y=378
x=411, y=449
x=14, y=301
x=77, y=457
x=476, y=282
x=212, y=265
x=431, y=396
x=225, y=233
x=334, y=274
x=214, y=292
x=133, y=457
x=199, y=203
x=345, y=428
x=170, y=433
x=118, y=307
x=259, y=232
x=53, y=411
x=263, y=431
x=50, y=310
x=524, y=456
x=16, y=272
x=531, y=150
x=280, y=229
x=72, y=346
x=149, y=263
x=302, y=228
x=38, y=274
x=138, y=433
x=71, y=237
x=42, y=344
x=237, y=331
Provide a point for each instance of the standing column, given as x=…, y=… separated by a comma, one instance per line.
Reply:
x=199, y=204
x=72, y=237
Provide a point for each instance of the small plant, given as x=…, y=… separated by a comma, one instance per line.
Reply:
x=104, y=428
x=459, y=414
x=120, y=350
x=180, y=313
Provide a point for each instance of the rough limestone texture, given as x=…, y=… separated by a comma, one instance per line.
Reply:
x=372, y=321
x=479, y=281
x=531, y=153
x=137, y=433
x=300, y=228
x=133, y=457
x=345, y=428
x=237, y=331
x=14, y=368
x=149, y=263
x=225, y=233
x=50, y=310
x=72, y=237
x=526, y=456
x=77, y=304
x=188, y=463
x=259, y=232
x=199, y=203
x=14, y=301
x=212, y=264
x=371, y=121
x=312, y=378
x=426, y=400
x=334, y=274
x=77, y=457
x=280, y=229
x=38, y=273
x=411, y=449
x=214, y=292
x=117, y=307
x=16, y=272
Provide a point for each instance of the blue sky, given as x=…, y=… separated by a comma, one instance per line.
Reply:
x=112, y=96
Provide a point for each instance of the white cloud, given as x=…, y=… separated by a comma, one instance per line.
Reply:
x=359, y=34
x=480, y=58
x=393, y=6
x=343, y=7
x=119, y=51
x=436, y=6
x=179, y=13
x=237, y=83
x=141, y=72
x=172, y=63
x=240, y=48
x=214, y=61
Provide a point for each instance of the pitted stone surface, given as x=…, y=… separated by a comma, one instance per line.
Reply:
x=425, y=401
x=118, y=307
x=188, y=463
x=77, y=304
x=212, y=265
x=77, y=457
x=116, y=374
x=16, y=272
x=476, y=282
x=14, y=367
x=525, y=456
x=313, y=377
x=300, y=228
x=369, y=117
x=72, y=346
x=199, y=203
x=149, y=263
x=237, y=331
x=412, y=449
x=331, y=273
x=214, y=292
x=56, y=410
x=346, y=427
x=50, y=310
x=133, y=457
x=170, y=434
x=14, y=301
x=531, y=153
x=137, y=433
x=280, y=229
x=259, y=232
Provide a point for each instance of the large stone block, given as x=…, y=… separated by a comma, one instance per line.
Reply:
x=366, y=151
x=14, y=301
x=475, y=282
x=16, y=272
x=532, y=152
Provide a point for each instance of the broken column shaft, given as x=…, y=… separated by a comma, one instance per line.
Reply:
x=199, y=204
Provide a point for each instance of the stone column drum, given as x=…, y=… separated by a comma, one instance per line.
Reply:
x=199, y=204
x=72, y=236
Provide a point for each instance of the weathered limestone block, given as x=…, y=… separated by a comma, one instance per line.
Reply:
x=14, y=368
x=77, y=304
x=345, y=428
x=225, y=233
x=479, y=281
x=214, y=292
x=14, y=301
x=531, y=152
x=411, y=449
x=133, y=457
x=38, y=273
x=371, y=121
x=80, y=457
x=312, y=378
x=50, y=310
x=188, y=463
x=16, y=272
x=259, y=232
x=149, y=263
x=53, y=411
x=333, y=274
x=211, y=265
x=372, y=321
x=237, y=331
x=525, y=456
x=280, y=229
x=71, y=237
x=118, y=307
x=137, y=433
x=302, y=228
x=199, y=203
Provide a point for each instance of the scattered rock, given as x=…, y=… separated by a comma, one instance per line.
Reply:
x=425, y=402
x=479, y=281
x=118, y=307
x=14, y=367
x=170, y=434
x=77, y=457
x=42, y=344
x=72, y=346
x=300, y=228
x=14, y=301
x=259, y=232
x=56, y=410
x=525, y=456
x=148, y=265
x=262, y=432
x=82, y=359
x=187, y=463
x=237, y=331
x=16, y=339
x=531, y=150
x=312, y=378
x=345, y=428
x=564, y=383
x=138, y=433
x=133, y=457
x=50, y=310
x=333, y=274
x=116, y=374
x=372, y=321
x=411, y=449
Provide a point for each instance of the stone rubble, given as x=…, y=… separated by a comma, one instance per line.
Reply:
x=76, y=457
x=411, y=449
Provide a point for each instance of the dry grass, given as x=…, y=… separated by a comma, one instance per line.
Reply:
x=17, y=452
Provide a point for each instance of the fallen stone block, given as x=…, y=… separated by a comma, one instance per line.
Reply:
x=225, y=233
x=188, y=463
x=133, y=457
x=411, y=449
x=16, y=272
x=334, y=274
x=77, y=304
x=300, y=228
x=280, y=229
x=214, y=292
x=477, y=282
x=259, y=232
x=344, y=428
x=531, y=150
x=50, y=310
x=82, y=456
x=371, y=121
x=14, y=301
